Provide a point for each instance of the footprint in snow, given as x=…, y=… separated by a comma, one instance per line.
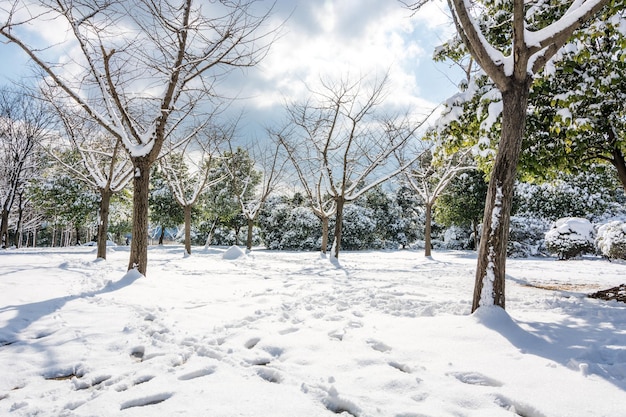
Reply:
x=476, y=378
x=197, y=373
x=147, y=400
x=378, y=345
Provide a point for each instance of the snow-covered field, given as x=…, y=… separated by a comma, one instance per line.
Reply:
x=295, y=335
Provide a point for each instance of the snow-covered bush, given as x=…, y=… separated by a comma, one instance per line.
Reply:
x=526, y=236
x=611, y=240
x=570, y=237
x=456, y=237
x=358, y=231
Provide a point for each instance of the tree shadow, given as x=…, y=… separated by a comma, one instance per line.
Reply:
x=30, y=313
x=587, y=340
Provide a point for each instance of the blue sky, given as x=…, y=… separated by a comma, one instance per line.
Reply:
x=331, y=38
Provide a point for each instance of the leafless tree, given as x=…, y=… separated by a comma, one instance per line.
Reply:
x=269, y=168
x=24, y=123
x=429, y=176
x=104, y=165
x=140, y=69
x=188, y=169
x=342, y=132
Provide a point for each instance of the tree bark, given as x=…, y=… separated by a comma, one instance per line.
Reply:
x=139, y=243
x=620, y=164
x=103, y=224
x=187, y=211
x=490, y=272
x=338, y=225
x=249, y=238
x=476, y=240
x=4, y=229
x=324, y=234
x=77, y=228
x=427, y=229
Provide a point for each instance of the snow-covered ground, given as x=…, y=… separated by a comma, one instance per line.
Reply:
x=295, y=335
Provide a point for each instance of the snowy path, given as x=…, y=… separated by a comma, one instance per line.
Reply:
x=293, y=334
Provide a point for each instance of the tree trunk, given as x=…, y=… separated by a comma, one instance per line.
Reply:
x=324, y=234
x=249, y=237
x=161, y=235
x=427, y=228
x=103, y=224
x=490, y=272
x=139, y=243
x=209, y=238
x=4, y=229
x=338, y=225
x=475, y=228
x=77, y=228
x=620, y=164
x=187, y=211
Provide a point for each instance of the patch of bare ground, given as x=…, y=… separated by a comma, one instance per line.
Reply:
x=616, y=293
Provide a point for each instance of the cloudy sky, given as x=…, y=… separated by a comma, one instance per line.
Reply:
x=334, y=38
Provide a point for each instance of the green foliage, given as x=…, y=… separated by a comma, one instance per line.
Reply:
x=464, y=202
x=164, y=210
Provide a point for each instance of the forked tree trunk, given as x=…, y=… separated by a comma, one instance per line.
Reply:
x=103, y=224
x=338, y=226
x=249, y=237
x=187, y=211
x=490, y=272
x=324, y=234
x=139, y=243
x=427, y=228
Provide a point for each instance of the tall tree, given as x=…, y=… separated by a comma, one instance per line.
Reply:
x=510, y=48
x=141, y=69
x=103, y=164
x=351, y=141
x=429, y=176
x=188, y=171
x=24, y=124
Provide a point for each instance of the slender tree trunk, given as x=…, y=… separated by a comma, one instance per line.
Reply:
x=4, y=229
x=427, y=229
x=17, y=239
x=161, y=235
x=338, y=226
x=187, y=212
x=490, y=272
x=249, y=237
x=475, y=228
x=209, y=238
x=324, y=234
x=77, y=228
x=103, y=224
x=139, y=243
x=620, y=164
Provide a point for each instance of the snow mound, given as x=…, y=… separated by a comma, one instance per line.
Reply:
x=234, y=252
x=612, y=240
x=570, y=237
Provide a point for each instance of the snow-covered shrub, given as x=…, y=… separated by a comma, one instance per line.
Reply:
x=304, y=232
x=358, y=231
x=611, y=240
x=456, y=237
x=570, y=237
x=526, y=236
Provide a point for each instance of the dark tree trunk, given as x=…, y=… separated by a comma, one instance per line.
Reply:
x=77, y=235
x=338, y=225
x=103, y=224
x=324, y=220
x=139, y=243
x=187, y=211
x=476, y=239
x=161, y=235
x=490, y=272
x=427, y=229
x=4, y=229
x=249, y=237
x=17, y=240
x=620, y=164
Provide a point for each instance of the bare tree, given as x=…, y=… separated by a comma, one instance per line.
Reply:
x=269, y=167
x=429, y=176
x=24, y=123
x=104, y=165
x=350, y=140
x=311, y=178
x=188, y=170
x=140, y=69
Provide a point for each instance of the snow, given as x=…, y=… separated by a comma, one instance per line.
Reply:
x=378, y=333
